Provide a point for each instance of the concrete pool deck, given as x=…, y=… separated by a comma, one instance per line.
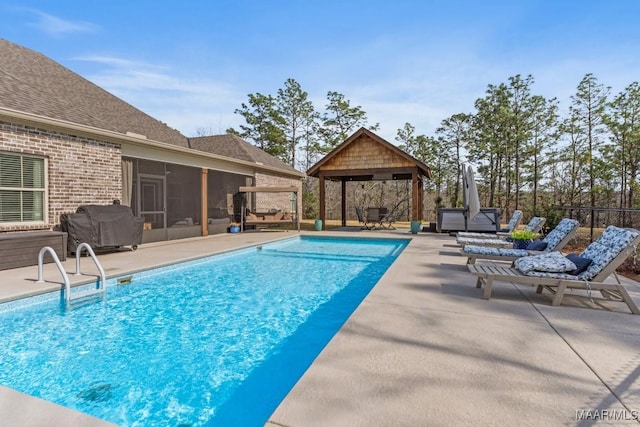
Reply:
x=422, y=349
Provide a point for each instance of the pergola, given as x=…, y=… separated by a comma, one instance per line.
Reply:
x=364, y=156
x=290, y=189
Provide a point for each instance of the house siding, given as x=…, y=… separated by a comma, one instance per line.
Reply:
x=81, y=170
x=266, y=201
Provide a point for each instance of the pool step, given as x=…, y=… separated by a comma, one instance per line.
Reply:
x=85, y=294
x=67, y=284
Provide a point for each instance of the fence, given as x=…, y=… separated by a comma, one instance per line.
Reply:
x=598, y=218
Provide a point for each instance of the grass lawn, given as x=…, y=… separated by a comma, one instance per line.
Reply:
x=309, y=225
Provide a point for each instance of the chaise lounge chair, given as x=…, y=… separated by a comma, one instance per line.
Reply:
x=552, y=272
x=514, y=222
x=554, y=241
x=534, y=225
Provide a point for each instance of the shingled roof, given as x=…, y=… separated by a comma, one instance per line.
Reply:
x=32, y=83
x=235, y=147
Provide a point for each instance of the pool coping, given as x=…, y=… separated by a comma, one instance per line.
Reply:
x=422, y=348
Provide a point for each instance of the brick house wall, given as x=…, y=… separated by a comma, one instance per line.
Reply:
x=266, y=201
x=80, y=170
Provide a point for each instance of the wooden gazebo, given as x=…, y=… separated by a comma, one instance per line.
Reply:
x=364, y=156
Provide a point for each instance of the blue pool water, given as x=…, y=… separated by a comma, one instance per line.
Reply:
x=216, y=341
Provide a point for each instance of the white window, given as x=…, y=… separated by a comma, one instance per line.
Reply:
x=23, y=182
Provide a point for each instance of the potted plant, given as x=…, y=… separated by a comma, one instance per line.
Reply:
x=522, y=238
x=234, y=227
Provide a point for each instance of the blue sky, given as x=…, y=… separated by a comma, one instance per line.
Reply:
x=192, y=63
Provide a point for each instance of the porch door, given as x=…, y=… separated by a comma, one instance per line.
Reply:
x=151, y=203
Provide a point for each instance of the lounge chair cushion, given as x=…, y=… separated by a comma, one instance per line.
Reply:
x=489, y=250
x=537, y=245
x=602, y=252
x=605, y=249
x=553, y=262
x=480, y=242
x=514, y=221
x=536, y=223
x=474, y=235
x=580, y=262
x=561, y=230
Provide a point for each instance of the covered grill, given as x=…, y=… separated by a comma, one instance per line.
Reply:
x=108, y=226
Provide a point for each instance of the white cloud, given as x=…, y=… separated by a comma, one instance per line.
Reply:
x=417, y=88
x=393, y=82
x=55, y=26
x=186, y=103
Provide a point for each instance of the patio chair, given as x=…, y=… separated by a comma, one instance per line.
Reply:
x=364, y=220
x=534, y=225
x=386, y=222
x=514, y=222
x=552, y=272
x=386, y=218
x=554, y=241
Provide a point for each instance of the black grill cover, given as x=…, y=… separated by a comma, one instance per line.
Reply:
x=102, y=227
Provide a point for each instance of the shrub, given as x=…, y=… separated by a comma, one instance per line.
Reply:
x=523, y=234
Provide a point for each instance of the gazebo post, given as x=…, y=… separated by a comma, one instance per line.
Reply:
x=416, y=196
x=421, y=199
x=344, y=202
x=322, y=200
x=204, y=225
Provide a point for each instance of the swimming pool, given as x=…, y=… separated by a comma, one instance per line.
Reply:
x=216, y=341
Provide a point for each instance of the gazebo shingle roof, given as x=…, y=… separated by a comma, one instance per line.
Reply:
x=350, y=156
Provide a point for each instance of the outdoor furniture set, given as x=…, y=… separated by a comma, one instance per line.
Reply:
x=376, y=219
x=544, y=266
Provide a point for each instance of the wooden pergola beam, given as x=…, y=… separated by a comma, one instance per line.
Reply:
x=268, y=189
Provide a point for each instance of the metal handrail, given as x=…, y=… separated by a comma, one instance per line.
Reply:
x=65, y=278
x=101, y=283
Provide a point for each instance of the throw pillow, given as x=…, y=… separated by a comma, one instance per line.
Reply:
x=581, y=263
x=553, y=262
x=537, y=245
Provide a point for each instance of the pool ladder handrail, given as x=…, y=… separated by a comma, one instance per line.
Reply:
x=67, y=284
